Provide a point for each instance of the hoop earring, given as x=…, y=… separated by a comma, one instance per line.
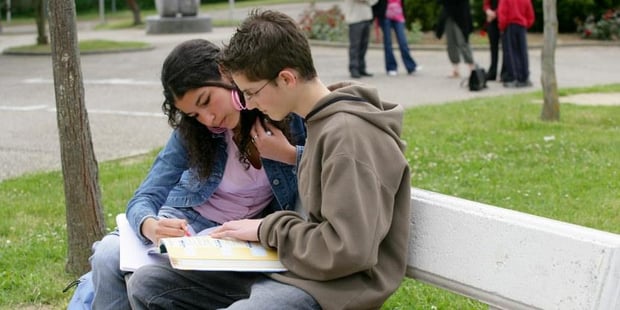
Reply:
x=237, y=101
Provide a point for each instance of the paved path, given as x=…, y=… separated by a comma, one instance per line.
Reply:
x=123, y=94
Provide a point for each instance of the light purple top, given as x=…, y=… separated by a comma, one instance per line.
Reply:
x=243, y=193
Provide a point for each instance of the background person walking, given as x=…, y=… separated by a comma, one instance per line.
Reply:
x=358, y=15
x=515, y=17
x=390, y=15
x=490, y=10
x=455, y=20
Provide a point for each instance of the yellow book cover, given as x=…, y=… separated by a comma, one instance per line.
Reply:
x=202, y=252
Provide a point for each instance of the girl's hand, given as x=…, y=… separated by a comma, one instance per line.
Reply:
x=272, y=144
x=155, y=229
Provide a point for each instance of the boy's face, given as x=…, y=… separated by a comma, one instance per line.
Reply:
x=264, y=95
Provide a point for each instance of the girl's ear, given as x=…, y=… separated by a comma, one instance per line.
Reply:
x=237, y=99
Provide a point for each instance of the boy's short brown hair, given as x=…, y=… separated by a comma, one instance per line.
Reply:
x=265, y=43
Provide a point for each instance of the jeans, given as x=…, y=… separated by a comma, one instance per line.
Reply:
x=359, y=38
x=390, y=61
x=269, y=294
x=163, y=287
x=516, y=58
x=109, y=279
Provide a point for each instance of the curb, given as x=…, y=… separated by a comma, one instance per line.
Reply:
x=441, y=47
x=93, y=52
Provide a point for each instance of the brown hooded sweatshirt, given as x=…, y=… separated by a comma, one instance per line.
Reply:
x=354, y=185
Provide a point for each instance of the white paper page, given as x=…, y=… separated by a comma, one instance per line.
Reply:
x=134, y=253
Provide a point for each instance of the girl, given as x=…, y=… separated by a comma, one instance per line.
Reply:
x=222, y=162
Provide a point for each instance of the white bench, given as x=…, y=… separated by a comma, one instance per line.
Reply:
x=511, y=260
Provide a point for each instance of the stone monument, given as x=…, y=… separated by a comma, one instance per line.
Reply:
x=177, y=16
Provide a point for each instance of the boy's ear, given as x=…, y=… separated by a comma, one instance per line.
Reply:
x=288, y=75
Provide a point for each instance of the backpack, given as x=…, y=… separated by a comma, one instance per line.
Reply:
x=477, y=79
x=84, y=293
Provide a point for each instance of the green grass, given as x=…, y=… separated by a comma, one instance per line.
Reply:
x=85, y=46
x=491, y=150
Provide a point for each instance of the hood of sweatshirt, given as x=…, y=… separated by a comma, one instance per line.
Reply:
x=364, y=102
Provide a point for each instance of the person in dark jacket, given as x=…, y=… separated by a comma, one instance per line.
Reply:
x=456, y=22
x=490, y=10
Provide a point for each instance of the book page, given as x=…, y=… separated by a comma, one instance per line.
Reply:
x=133, y=253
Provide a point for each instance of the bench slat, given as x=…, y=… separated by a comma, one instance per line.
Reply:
x=511, y=260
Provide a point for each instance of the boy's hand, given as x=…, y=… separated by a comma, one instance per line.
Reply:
x=272, y=144
x=242, y=229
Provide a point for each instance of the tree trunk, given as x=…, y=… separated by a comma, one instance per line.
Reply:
x=84, y=215
x=40, y=19
x=551, y=105
x=135, y=8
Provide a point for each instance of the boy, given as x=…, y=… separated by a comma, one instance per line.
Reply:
x=351, y=251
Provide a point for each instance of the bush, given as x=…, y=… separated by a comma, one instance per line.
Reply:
x=328, y=25
x=424, y=13
x=606, y=28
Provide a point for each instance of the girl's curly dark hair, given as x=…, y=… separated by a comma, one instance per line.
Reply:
x=190, y=65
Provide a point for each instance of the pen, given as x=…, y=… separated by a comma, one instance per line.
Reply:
x=186, y=230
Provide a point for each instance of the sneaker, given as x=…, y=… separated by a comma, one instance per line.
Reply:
x=417, y=69
x=511, y=84
x=527, y=83
x=392, y=73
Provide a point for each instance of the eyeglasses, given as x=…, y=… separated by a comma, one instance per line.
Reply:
x=249, y=96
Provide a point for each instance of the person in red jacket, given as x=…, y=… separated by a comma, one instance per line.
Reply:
x=514, y=18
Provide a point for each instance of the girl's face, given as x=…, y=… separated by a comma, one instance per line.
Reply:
x=212, y=106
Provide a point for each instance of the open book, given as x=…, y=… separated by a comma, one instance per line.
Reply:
x=197, y=252
x=203, y=252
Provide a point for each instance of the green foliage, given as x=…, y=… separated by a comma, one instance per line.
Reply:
x=415, y=34
x=328, y=25
x=425, y=13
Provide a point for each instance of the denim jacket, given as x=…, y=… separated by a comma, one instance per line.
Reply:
x=170, y=182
